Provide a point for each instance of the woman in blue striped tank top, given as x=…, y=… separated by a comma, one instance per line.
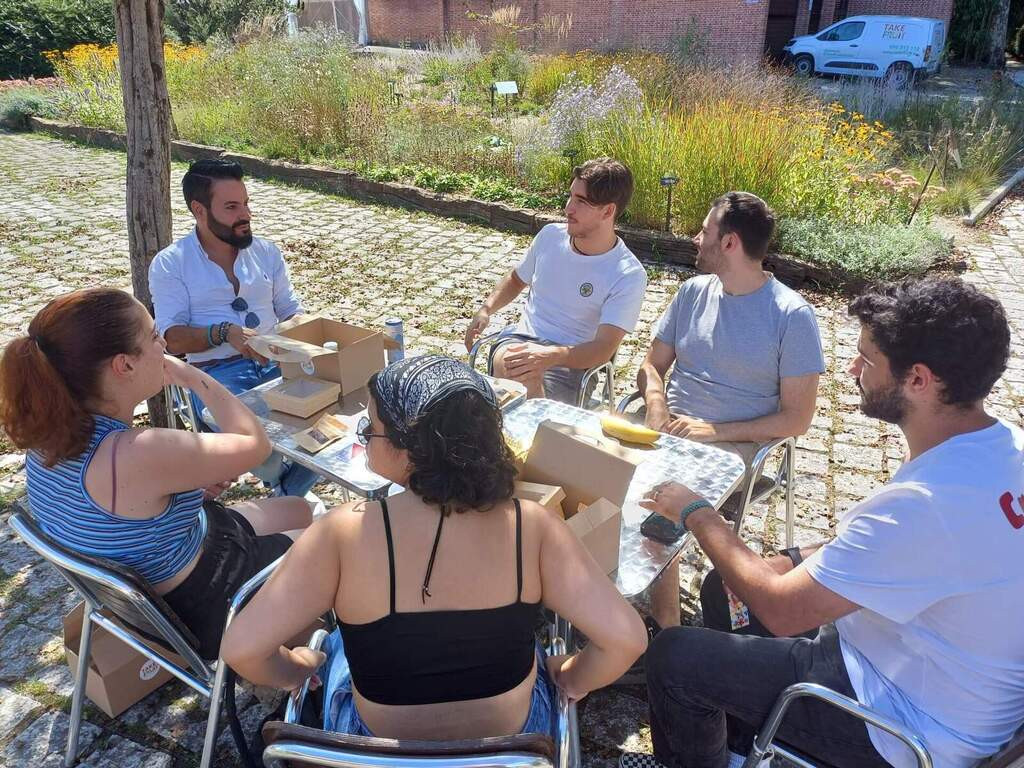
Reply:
x=135, y=496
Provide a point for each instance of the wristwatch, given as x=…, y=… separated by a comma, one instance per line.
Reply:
x=793, y=553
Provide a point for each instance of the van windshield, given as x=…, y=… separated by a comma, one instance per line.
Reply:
x=851, y=30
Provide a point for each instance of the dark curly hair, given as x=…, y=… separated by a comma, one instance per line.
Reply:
x=956, y=330
x=458, y=453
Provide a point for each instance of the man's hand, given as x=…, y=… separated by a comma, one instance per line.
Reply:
x=238, y=337
x=477, y=326
x=529, y=360
x=670, y=499
x=691, y=429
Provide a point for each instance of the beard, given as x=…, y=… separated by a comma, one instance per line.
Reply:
x=227, y=233
x=887, y=403
x=708, y=258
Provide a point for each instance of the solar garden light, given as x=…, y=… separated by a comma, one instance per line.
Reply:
x=669, y=180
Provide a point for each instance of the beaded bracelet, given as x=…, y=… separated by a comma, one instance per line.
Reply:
x=225, y=328
x=690, y=508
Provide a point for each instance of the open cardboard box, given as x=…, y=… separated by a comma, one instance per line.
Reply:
x=549, y=496
x=302, y=397
x=118, y=676
x=594, y=473
x=360, y=351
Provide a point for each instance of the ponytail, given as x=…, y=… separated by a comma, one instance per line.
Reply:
x=48, y=376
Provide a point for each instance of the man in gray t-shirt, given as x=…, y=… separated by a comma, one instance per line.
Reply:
x=744, y=353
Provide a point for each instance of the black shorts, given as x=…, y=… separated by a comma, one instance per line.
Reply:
x=232, y=553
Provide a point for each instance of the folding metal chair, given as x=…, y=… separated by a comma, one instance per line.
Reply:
x=290, y=745
x=180, y=408
x=608, y=369
x=111, y=590
x=755, y=485
x=765, y=747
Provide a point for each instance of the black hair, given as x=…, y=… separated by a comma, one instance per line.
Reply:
x=459, y=456
x=960, y=333
x=749, y=218
x=200, y=176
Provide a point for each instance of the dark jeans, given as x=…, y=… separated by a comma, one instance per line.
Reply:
x=710, y=690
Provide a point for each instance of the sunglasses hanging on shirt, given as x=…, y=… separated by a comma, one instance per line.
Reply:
x=252, y=320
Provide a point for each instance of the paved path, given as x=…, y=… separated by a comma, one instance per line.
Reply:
x=62, y=227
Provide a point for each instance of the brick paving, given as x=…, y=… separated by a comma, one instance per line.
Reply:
x=62, y=226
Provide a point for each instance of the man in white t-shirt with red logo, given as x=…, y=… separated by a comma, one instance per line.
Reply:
x=920, y=596
x=586, y=290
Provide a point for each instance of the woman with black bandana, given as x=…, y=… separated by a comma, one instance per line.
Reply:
x=437, y=589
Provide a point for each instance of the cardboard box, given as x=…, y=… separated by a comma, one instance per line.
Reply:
x=118, y=675
x=594, y=472
x=302, y=397
x=549, y=496
x=360, y=351
x=597, y=526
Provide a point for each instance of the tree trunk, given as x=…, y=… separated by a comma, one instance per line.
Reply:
x=997, y=37
x=147, y=112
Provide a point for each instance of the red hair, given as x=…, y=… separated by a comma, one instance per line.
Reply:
x=48, y=376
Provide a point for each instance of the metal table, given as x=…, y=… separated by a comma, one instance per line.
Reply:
x=712, y=472
x=344, y=461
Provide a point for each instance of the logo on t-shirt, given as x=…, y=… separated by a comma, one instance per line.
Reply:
x=1006, y=502
x=586, y=290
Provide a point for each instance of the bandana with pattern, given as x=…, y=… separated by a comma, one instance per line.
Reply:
x=409, y=388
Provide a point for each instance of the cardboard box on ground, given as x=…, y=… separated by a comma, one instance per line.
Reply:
x=118, y=676
x=592, y=473
x=335, y=373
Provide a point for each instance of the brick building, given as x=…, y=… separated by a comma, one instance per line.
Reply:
x=739, y=29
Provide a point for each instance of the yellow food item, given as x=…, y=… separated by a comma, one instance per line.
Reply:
x=628, y=431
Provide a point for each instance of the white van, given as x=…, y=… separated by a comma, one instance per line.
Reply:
x=894, y=47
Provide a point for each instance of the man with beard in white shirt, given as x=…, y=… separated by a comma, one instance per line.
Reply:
x=918, y=602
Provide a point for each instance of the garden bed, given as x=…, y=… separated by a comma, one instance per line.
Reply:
x=419, y=131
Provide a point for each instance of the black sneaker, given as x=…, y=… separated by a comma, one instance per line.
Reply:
x=638, y=760
x=637, y=674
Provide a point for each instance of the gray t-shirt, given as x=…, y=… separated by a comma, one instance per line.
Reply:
x=732, y=351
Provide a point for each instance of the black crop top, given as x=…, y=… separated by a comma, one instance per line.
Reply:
x=430, y=657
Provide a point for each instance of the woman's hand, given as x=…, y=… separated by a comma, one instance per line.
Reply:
x=178, y=373
x=559, y=667
x=306, y=662
x=669, y=499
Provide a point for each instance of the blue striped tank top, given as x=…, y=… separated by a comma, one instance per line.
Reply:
x=157, y=547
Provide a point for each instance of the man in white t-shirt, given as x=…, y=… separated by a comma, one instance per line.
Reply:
x=586, y=290
x=919, y=598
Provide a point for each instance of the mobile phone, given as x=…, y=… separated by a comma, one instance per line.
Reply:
x=660, y=528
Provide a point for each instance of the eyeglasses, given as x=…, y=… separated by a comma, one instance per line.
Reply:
x=363, y=433
x=252, y=320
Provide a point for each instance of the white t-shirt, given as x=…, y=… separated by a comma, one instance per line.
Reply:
x=571, y=293
x=189, y=289
x=935, y=560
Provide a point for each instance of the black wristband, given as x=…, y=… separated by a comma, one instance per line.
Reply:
x=793, y=553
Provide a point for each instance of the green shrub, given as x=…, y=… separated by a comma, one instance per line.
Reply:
x=196, y=21
x=30, y=27
x=863, y=252
x=18, y=104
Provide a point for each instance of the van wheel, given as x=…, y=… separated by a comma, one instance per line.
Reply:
x=900, y=76
x=803, y=65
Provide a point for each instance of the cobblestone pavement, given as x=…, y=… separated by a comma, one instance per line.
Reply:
x=62, y=227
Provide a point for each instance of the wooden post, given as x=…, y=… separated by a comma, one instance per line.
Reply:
x=147, y=112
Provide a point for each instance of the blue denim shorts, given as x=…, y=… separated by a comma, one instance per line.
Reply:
x=341, y=715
